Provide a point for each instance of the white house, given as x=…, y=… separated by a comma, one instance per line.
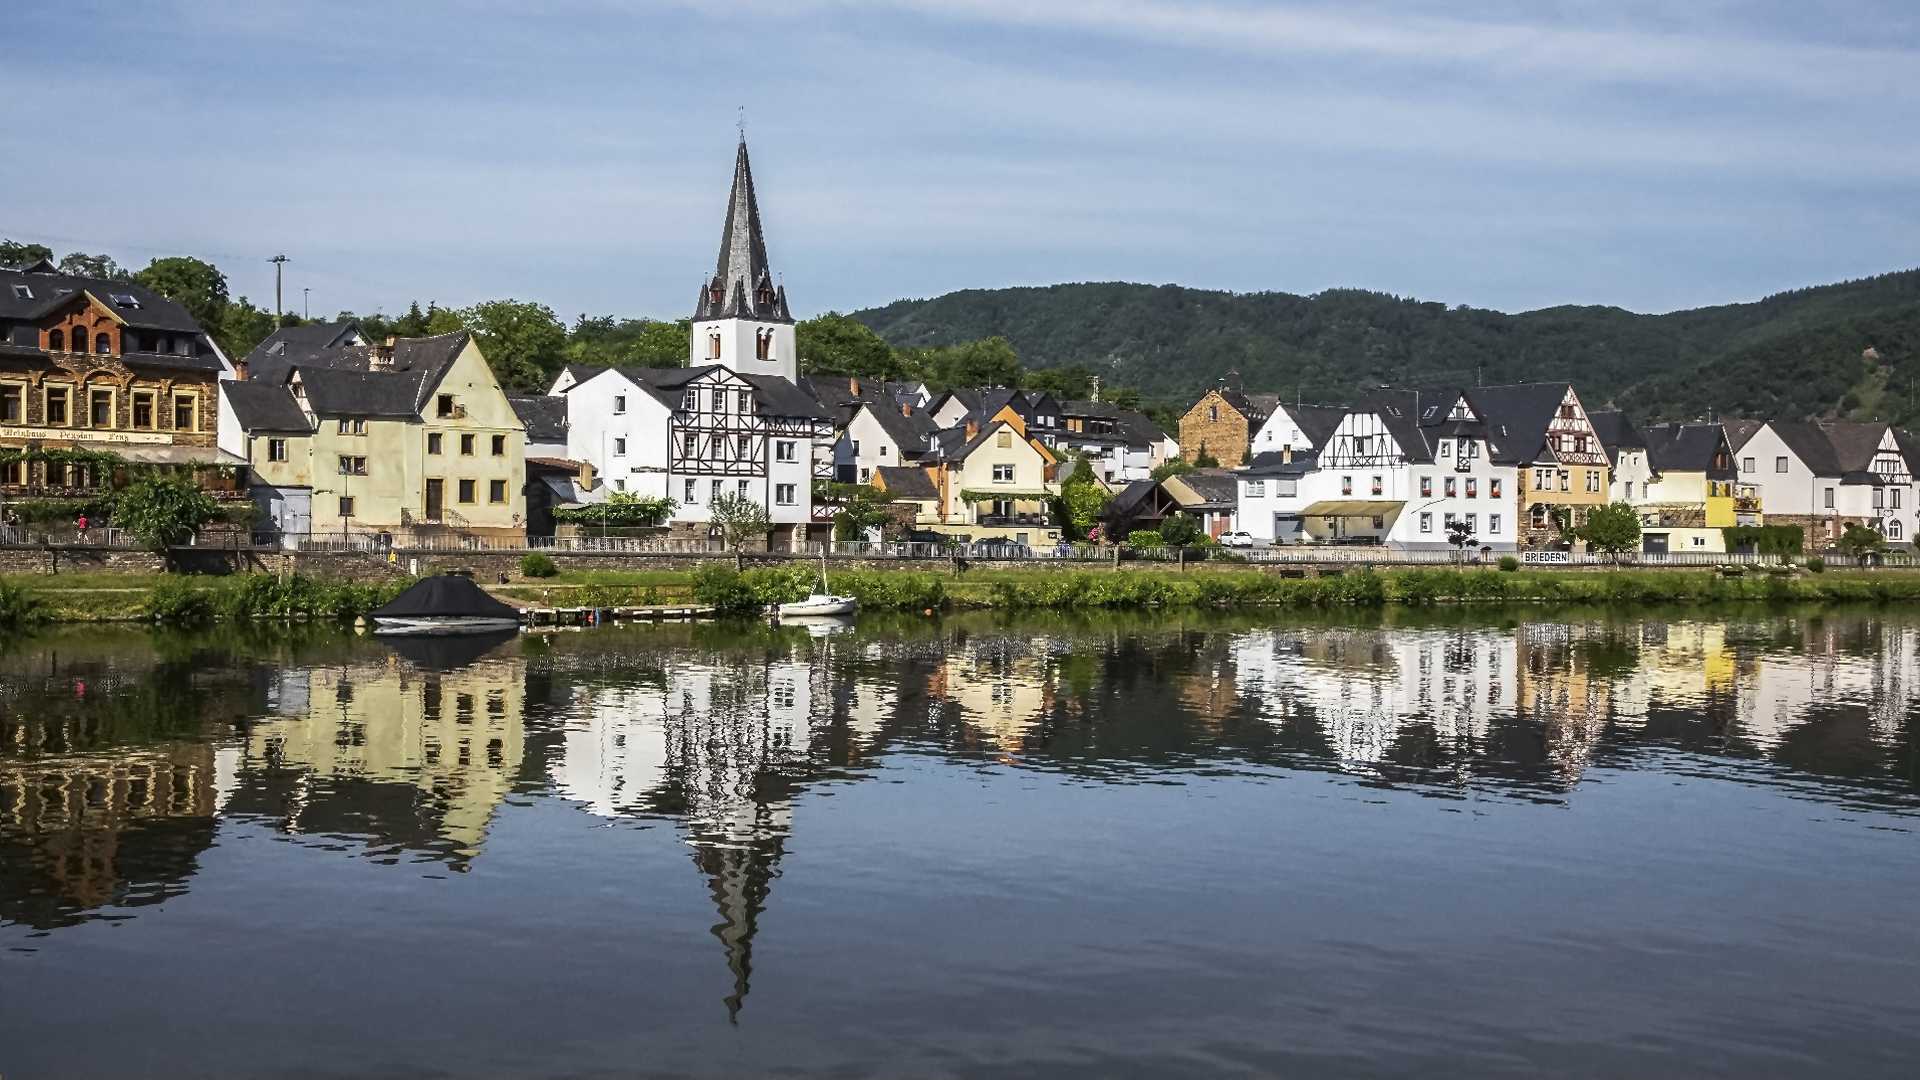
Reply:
x=1824, y=477
x=1298, y=429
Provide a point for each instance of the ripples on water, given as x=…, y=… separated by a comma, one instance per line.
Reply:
x=1450, y=844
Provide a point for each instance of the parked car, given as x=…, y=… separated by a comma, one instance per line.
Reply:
x=1236, y=539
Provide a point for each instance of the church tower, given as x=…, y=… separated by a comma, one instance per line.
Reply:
x=741, y=321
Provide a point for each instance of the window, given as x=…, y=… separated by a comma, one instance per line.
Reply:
x=1447, y=519
x=1779, y=464
x=276, y=449
x=1285, y=489
x=352, y=466
x=468, y=490
x=713, y=346
x=856, y=446
x=713, y=493
x=496, y=491
x=143, y=410
x=1426, y=487
x=1593, y=480
x=1493, y=489
x=619, y=448
x=102, y=344
x=56, y=341
x=619, y=404
x=686, y=444
x=1493, y=524
x=1746, y=464
x=688, y=497
x=1829, y=498
x=1426, y=522
x=1451, y=489
x=443, y=407
x=499, y=446
x=783, y=494
x=866, y=475
x=883, y=450
x=1894, y=493
x=57, y=474
x=1893, y=528
x=619, y=485
x=346, y=506
x=1346, y=485
x=762, y=345
x=10, y=397
x=1360, y=443
x=10, y=473
x=783, y=450
x=1003, y=474
x=1473, y=488
x=740, y=489
x=182, y=413
x=1699, y=541
x=1213, y=412
x=1376, y=485
x=466, y=446
x=1446, y=448
x=743, y=446
x=1566, y=480
x=1543, y=479
x=23, y=292
x=101, y=406
x=57, y=405
x=743, y=401
x=689, y=401
x=1004, y=439
x=1256, y=489
x=1379, y=522
x=1879, y=498
x=434, y=441
x=719, y=399
x=1473, y=523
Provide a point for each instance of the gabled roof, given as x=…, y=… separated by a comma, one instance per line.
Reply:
x=46, y=292
x=361, y=393
x=1399, y=413
x=1141, y=499
x=1738, y=431
x=778, y=397
x=1675, y=448
x=1317, y=422
x=742, y=287
x=1810, y=444
x=906, y=482
x=1209, y=488
x=1518, y=416
x=544, y=415
x=418, y=366
x=1856, y=445
x=259, y=406
x=1274, y=463
x=909, y=433
x=1909, y=448
x=301, y=340
x=1616, y=434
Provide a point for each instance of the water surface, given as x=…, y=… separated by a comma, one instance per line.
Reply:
x=1526, y=843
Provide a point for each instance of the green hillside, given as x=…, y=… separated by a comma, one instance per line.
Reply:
x=1798, y=351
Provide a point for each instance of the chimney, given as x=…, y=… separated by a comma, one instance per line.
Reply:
x=853, y=385
x=380, y=357
x=239, y=371
x=1286, y=453
x=906, y=408
x=973, y=428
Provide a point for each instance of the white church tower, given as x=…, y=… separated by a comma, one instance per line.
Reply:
x=741, y=322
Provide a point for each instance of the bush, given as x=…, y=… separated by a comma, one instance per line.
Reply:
x=1145, y=538
x=537, y=564
x=1817, y=564
x=1509, y=564
x=19, y=608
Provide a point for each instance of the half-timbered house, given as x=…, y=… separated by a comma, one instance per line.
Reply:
x=1542, y=430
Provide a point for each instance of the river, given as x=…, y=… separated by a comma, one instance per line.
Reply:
x=1527, y=842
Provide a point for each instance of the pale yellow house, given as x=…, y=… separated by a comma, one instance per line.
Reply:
x=990, y=480
x=415, y=436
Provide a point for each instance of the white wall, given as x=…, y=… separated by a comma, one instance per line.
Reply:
x=737, y=337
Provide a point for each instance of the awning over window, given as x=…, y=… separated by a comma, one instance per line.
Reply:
x=1352, y=507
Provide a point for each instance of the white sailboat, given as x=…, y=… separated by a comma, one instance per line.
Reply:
x=820, y=602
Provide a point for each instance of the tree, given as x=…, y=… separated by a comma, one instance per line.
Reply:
x=1081, y=500
x=662, y=343
x=1067, y=384
x=242, y=328
x=740, y=519
x=15, y=253
x=990, y=362
x=1205, y=459
x=1859, y=541
x=834, y=344
x=162, y=510
x=523, y=342
x=1459, y=534
x=858, y=514
x=98, y=267
x=198, y=286
x=1614, y=529
x=1173, y=467
x=1180, y=528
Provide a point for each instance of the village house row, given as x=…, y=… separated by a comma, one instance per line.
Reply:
x=330, y=432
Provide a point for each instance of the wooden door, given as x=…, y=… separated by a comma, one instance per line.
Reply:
x=436, y=496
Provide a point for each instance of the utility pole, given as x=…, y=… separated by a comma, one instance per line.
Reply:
x=278, y=261
x=303, y=304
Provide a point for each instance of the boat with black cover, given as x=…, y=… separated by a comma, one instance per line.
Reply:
x=450, y=604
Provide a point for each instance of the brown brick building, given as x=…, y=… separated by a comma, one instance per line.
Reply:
x=1224, y=422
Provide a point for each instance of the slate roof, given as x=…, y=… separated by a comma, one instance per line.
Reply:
x=778, y=397
x=361, y=393
x=49, y=291
x=544, y=415
x=300, y=340
x=1273, y=463
x=259, y=406
x=1399, y=413
x=1739, y=431
x=1616, y=434
x=843, y=394
x=1317, y=422
x=1255, y=407
x=740, y=277
x=1688, y=448
x=1909, y=448
x=1214, y=489
x=909, y=433
x=1810, y=444
x=907, y=482
x=1130, y=428
x=418, y=366
x=1129, y=501
x=1855, y=445
x=1518, y=416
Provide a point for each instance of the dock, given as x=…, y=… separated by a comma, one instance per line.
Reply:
x=592, y=616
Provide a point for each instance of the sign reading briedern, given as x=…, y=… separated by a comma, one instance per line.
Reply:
x=1545, y=557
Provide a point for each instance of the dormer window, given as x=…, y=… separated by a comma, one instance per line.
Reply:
x=127, y=300
x=23, y=292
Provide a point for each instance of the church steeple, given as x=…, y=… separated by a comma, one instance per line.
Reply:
x=742, y=287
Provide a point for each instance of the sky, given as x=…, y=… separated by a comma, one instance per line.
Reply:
x=577, y=153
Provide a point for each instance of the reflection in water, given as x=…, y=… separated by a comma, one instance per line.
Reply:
x=122, y=756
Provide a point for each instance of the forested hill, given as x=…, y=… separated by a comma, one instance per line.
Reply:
x=1791, y=355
